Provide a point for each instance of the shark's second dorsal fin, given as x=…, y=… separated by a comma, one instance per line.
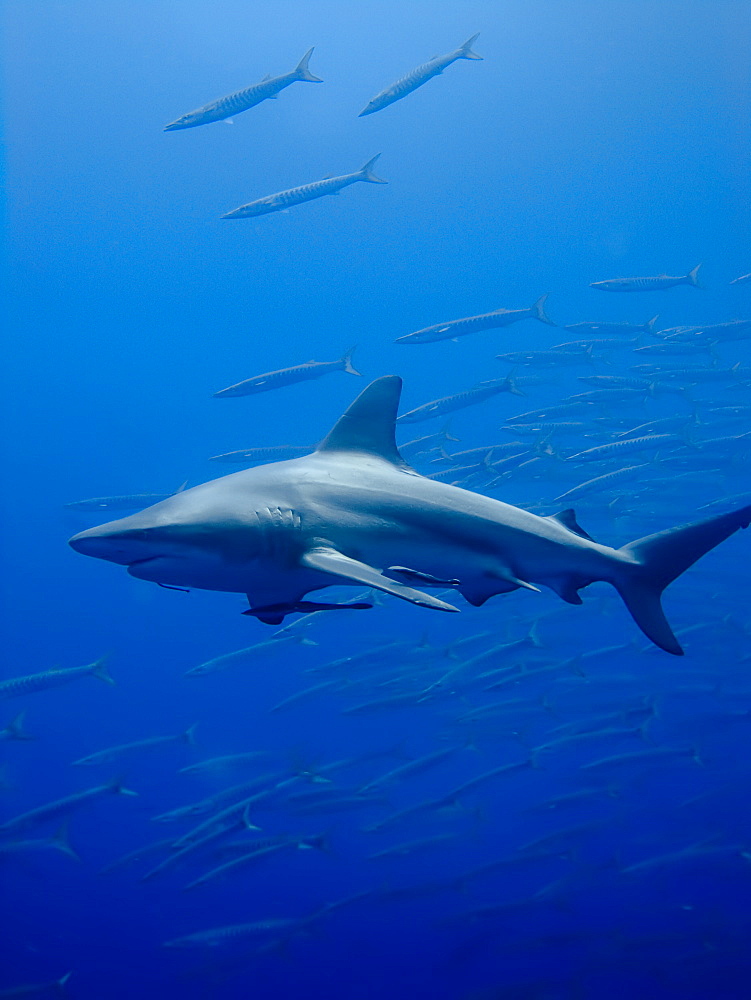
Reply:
x=368, y=425
x=568, y=519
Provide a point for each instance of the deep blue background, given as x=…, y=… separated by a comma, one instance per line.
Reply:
x=594, y=141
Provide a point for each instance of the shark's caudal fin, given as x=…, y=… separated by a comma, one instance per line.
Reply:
x=303, y=73
x=662, y=557
x=366, y=172
x=465, y=50
x=538, y=311
x=368, y=425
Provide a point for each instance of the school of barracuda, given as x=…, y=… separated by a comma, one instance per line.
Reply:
x=510, y=698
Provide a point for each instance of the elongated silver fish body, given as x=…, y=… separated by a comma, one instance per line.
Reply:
x=620, y=328
x=232, y=932
x=271, y=453
x=31, y=683
x=307, y=192
x=112, y=753
x=243, y=100
x=62, y=807
x=653, y=284
x=418, y=76
x=472, y=324
x=457, y=401
x=627, y=446
x=289, y=376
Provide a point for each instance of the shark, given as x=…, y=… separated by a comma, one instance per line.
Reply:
x=354, y=512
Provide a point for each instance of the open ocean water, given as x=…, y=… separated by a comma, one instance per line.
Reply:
x=527, y=800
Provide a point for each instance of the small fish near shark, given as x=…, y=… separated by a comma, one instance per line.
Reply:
x=353, y=511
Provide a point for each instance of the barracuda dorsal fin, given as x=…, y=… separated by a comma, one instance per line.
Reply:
x=568, y=519
x=368, y=425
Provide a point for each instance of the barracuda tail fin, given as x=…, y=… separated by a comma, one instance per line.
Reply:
x=538, y=311
x=100, y=670
x=189, y=736
x=465, y=50
x=692, y=278
x=649, y=326
x=661, y=558
x=61, y=842
x=366, y=172
x=303, y=73
x=15, y=730
x=346, y=362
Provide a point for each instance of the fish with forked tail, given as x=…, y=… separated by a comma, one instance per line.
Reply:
x=354, y=507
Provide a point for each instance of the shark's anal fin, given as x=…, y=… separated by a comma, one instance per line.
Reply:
x=415, y=576
x=326, y=559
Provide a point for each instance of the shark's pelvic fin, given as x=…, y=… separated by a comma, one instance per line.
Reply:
x=326, y=559
x=369, y=424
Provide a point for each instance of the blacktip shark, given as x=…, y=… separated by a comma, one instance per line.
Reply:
x=354, y=512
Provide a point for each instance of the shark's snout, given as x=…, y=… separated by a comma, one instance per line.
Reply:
x=102, y=545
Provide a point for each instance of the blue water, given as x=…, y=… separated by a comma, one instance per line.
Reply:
x=594, y=141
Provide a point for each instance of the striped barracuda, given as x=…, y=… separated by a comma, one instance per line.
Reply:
x=307, y=192
x=471, y=324
x=653, y=284
x=417, y=77
x=225, y=107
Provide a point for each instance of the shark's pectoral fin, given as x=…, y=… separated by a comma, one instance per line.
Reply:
x=326, y=559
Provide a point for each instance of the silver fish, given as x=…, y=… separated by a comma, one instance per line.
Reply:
x=647, y=284
x=112, y=753
x=31, y=683
x=216, y=936
x=242, y=100
x=34, y=989
x=289, y=376
x=307, y=192
x=57, y=842
x=620, y=328
x=260, y=651
x=436, y=408
x=417, y=77
x=61, y=807
x=128, y=501
x=271, y=453
x=471, y=324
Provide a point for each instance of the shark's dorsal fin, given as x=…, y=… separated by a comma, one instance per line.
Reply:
x=368, y=425
x=568, y=519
